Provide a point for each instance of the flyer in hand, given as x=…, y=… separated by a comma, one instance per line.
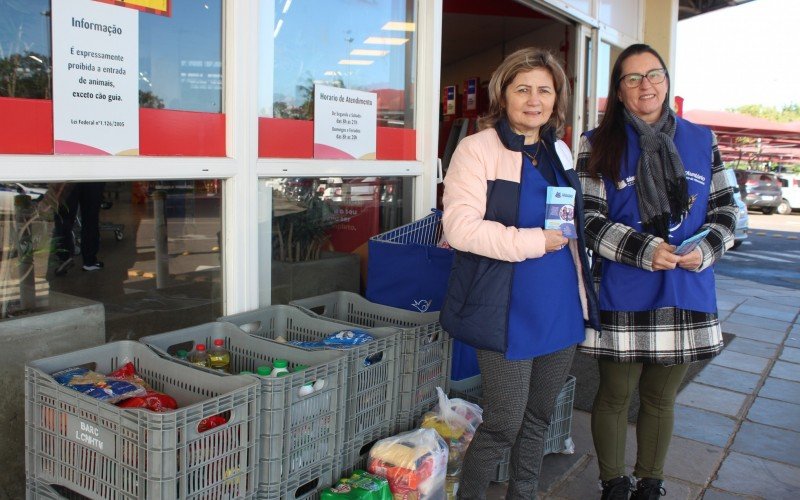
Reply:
x=690, y=244
x=560, y=210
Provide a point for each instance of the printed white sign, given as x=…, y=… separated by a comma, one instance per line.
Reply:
x=344, y=123
x=95, y=78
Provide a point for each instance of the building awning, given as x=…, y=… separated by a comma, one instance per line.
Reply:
x=691, y=8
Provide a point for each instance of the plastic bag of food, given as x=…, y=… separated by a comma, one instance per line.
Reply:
x=152, y=400
x=413, y=462
x=97, y=385
x=456, y=421
x=360, y=486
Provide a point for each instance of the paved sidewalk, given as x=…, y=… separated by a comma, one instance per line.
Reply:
x=737, y=425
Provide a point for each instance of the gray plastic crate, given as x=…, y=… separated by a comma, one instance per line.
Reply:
x=558, y=433
x=38, y=490
x=355, y=453
x=99, y=450
x=300, y=435
x=426, y=350
x=372, y=367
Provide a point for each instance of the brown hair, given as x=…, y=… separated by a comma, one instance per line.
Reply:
x=609, y=140
x=519, y=62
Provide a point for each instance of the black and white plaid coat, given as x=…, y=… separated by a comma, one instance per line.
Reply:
x=666, y=335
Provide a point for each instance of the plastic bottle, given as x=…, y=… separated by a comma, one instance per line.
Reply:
x=198, y=355
x=308, y=387
x=219, y=358
x=181, y=354
x=263, y=370
x=279, y=366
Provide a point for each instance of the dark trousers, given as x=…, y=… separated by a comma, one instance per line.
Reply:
x=518, y=401
x=86, y=197
x=658, y=387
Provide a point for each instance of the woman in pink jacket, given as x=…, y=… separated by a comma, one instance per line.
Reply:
x=517, y=291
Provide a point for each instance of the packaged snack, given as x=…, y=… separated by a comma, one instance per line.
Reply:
x=153, y=401
x=97, y=385
x=413, y=462
x=360, y=486
x=337, y=340
x=456, y=421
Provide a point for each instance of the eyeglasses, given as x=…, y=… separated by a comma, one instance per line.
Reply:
x=654, y=76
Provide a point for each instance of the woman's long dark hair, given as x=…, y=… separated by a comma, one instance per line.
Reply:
x=609, y=140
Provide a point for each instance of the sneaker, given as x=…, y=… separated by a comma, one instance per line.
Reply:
x=93, y=267
x=64, y=266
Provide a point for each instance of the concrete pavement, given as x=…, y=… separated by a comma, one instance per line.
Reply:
x=737, y=425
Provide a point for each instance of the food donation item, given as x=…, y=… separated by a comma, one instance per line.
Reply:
x=413, y=462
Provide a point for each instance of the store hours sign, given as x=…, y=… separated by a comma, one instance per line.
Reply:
x=344, y=123
x=95, y=78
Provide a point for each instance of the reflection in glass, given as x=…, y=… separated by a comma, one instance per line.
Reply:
x=326, y=43
x=141, y=224
x=320, y=228
x=25, y=62
x=180, y=57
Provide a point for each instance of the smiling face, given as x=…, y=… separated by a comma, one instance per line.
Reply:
x=529, y=100
x=644, y=101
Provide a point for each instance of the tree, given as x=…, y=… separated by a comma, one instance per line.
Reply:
x=25, y=75
x=150, y=100
x=788, y=113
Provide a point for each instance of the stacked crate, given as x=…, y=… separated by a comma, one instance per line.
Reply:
x=99, y=450
x=425, y=350
x=300, y=435
x=372, y=371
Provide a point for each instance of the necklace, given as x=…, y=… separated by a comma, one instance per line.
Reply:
x=532, y=157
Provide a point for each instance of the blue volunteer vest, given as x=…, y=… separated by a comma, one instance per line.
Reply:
x=628, y=288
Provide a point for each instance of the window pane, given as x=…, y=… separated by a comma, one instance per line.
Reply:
x=139, y=296
x=366, y=46
x=25, y=49
x=180, y=57
x=315, y=231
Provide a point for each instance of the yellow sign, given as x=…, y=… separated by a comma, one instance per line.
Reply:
x=160, y=7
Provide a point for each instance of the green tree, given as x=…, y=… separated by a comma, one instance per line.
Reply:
x=787, y=113
x=25, y=75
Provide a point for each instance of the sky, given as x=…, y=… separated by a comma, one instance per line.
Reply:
x=748, y=54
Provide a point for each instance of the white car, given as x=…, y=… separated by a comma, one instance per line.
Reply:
x=790, y=193
x=743, y=222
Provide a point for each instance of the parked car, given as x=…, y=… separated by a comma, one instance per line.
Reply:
x=743, y=221
x=759, y=190
x=790, y=193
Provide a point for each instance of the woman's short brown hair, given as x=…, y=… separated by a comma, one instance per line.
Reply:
x=519, y=62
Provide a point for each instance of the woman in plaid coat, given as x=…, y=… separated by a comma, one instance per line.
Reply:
x=650, y=181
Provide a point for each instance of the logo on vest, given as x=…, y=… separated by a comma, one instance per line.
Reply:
x=626, y=182
x=692, y=176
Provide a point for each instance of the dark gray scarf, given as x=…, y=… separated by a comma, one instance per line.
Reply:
x=660, y=177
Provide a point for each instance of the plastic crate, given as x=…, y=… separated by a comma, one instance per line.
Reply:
x=301, y=436
x=37, y=490
x=99, y=450
x=558, y=433
x=425, y=352
x=372, y=368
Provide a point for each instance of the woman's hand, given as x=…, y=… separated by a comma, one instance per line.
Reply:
x=663, y=258
x=553, y=240
x=692, y=260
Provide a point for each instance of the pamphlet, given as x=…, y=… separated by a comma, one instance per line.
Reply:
x=690, y=244
x=560, y=210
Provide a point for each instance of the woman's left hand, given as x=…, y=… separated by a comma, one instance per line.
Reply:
x=691, y=260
